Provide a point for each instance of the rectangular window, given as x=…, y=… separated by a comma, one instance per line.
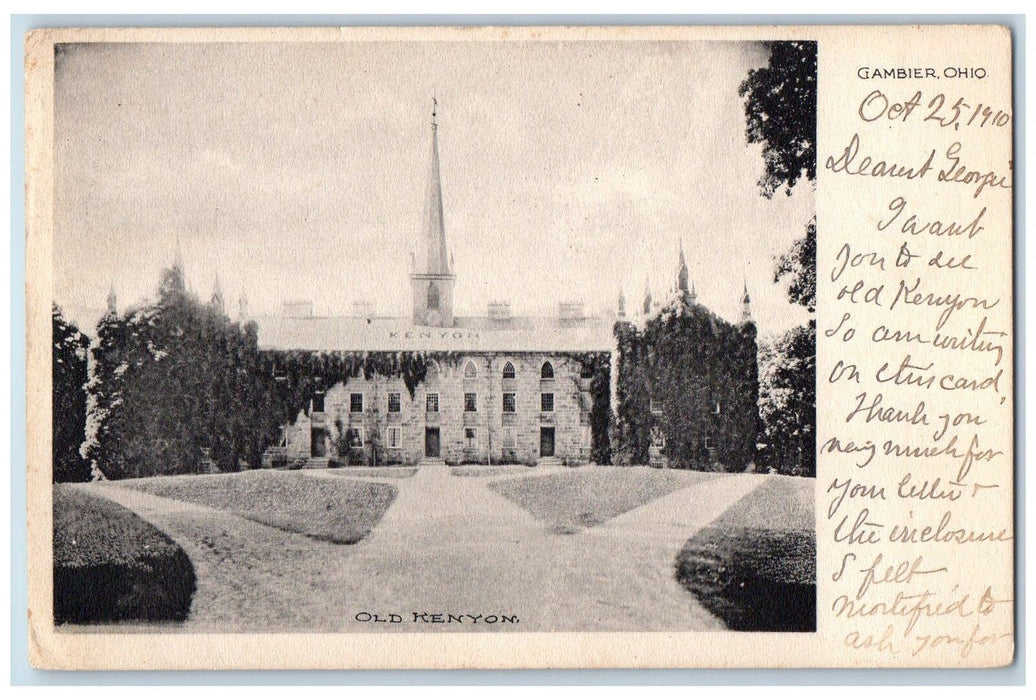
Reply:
x=510, y=437
x=355, y=437
x=470, y=402
x=470, y=438
x=431, y=403
x=547, y=403
x=395, y=402
x=655, y=406
x=509, y=402
x=318, y=402
x=355, y=403
x=394, y=437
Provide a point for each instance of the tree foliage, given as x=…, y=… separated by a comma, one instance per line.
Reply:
x=69, y=375
x=797, y=267
x=781, y=114
x=787, y=401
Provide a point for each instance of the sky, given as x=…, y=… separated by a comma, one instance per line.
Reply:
x=570, y=171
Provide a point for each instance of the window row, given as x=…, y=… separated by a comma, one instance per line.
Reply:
x=393, y=437
x=395, y=402
x=509, y=372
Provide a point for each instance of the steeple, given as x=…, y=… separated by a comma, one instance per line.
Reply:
x=112, y=301
x=746, y=306
x=647, y=296
x=217, y=296
x=438, y=256
x=433, y=286
x=694, y=294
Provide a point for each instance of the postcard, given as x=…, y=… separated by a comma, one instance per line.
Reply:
x=520, y=347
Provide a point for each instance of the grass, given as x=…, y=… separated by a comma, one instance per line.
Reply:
x=489, y=470
x=379, y=472
x=573, y=501
x=110, y=565
x=341, y=511
x=754, y=567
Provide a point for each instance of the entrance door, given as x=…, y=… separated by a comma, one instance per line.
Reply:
x=319, y=442
x=546, y=442
x=431, y=442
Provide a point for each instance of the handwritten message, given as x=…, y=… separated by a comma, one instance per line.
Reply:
x=915, y=369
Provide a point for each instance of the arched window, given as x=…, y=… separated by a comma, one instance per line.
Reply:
x=470, y=372
x=433, y=297
x=431, y=371
x=547, y=371
x=508, y=371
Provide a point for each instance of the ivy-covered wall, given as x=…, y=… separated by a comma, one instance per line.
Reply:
x=701, y=372
x=301, y=375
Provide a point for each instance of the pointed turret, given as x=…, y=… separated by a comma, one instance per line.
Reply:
x=178, y=259
x=113, y=307
x=746, y=306
x=622, y=303
x=681, y=275
x=647, y=296
x=217, y=296
x=243, y=313
x=433, y=286
x=694, y=294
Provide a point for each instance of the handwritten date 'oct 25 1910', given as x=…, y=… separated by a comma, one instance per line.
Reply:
x=942, y=111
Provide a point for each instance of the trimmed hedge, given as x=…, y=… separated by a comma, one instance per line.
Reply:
x=755, y=567
x=111, y=566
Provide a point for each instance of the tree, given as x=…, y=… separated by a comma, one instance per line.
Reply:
x=781, y=114
x=69, y=375
x=787, y=401
x=797, y=267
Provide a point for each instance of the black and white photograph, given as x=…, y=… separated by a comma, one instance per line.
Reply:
x=434, y=336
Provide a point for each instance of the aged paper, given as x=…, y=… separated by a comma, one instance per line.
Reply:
x=542, y=347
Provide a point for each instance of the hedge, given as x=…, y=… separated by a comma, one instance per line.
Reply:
x=111, y=566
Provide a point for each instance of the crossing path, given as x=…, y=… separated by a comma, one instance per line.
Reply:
x=450, y=554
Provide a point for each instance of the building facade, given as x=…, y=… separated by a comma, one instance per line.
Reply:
x=498, y=388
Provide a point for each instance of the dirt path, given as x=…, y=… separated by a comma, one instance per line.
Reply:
x=448, y=545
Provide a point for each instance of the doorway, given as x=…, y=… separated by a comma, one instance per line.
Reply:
x=431, y=442
x=546, y=442
x=318, y=446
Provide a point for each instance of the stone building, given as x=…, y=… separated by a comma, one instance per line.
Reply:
x=497, y=388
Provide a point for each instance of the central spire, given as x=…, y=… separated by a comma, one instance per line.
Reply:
x=433, y=285
x=438, y=257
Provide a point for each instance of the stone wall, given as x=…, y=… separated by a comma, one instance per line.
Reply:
x=493, y=428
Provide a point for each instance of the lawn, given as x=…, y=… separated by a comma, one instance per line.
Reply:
x=500, y=470
x=573, y=501
x=110, y=565
x=342, y=511
x=754, y=567
x=378, y=472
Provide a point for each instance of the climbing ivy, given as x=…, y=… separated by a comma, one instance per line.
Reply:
x=702, y=374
